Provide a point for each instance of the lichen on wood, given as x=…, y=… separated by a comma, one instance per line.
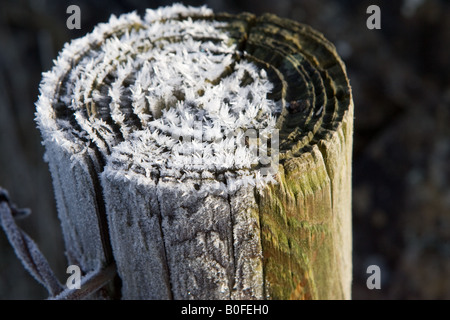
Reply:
x=145, y=123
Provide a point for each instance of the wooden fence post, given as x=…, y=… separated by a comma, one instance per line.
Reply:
x=207, y=155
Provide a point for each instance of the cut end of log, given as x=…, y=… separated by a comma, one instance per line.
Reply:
x=207, y=155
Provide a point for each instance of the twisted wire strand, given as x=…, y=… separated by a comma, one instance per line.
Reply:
x=37, y=265
x=25, y=248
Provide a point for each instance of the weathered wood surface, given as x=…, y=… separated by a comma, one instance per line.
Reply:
x=182, y=229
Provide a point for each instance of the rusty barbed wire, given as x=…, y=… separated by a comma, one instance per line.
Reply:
x=35, y=262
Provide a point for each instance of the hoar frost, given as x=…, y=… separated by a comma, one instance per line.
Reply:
x=156, y=95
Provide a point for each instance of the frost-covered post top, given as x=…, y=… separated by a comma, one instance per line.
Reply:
x=185, y=93
x=172, y=91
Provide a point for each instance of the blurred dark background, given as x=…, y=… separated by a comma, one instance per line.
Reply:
x=401, y=171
